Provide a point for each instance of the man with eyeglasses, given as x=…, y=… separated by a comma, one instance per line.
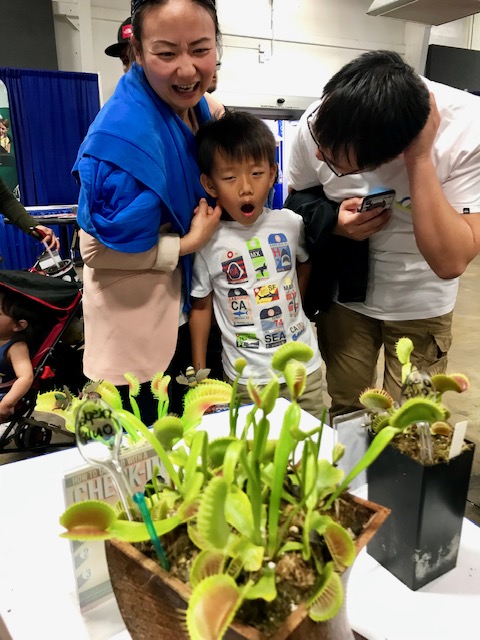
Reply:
x=378, y=127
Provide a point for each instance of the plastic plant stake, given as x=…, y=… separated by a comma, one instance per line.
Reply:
x=99, y=438
x=139, y=499
x=426, y=449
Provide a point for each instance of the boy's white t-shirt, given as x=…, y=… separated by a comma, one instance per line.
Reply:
x=252, y=273
x=401, y=285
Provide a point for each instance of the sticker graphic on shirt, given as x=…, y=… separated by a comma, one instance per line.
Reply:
x=240, y=308
x=297, y=329
x=258, y=259
x=272, y=326
x=266, y=293
x=292, y=297
x=281, y=251
x=247, y=341
x=233, y=266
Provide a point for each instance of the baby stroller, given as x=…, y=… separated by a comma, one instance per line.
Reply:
x=58, y=303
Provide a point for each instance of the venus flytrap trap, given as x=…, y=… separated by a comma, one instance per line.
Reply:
x=251, y=512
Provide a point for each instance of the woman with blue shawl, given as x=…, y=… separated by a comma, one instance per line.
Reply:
x=139, y=189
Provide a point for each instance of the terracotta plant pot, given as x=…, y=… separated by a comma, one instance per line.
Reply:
x=151, y=601
x=421, y=539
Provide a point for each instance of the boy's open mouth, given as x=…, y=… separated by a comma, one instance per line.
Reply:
x=247, y=208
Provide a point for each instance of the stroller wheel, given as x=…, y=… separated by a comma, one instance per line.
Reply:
x=19, y=437
x=33, y=437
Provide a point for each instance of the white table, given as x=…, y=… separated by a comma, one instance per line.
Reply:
x=37, y=598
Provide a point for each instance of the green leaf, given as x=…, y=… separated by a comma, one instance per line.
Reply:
x=232, y=456
x=193, y=487
x=217, y=450
x=378, y=444
x=168, y=430
x=416, y=410
x=137, y=531
x=291, y=545
x=211, y=521
x=238, y=511
x=265, y=588
x=250, y=554
x=328, y=477
x=291, y=350
x=285, y=447
x=309, y=473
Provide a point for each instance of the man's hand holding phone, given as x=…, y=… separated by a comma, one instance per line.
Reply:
x=381, y=200
x=358, y=222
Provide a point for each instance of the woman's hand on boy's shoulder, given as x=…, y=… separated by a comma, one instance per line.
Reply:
x=204, y=224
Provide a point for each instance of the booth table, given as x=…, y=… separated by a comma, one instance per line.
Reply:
x=37, y=587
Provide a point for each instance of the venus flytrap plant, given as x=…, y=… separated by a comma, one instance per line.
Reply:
x=421, y=407
x=251, y=507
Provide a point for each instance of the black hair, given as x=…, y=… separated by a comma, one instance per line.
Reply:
x=237, y=135
x=15, y=306
x=140, y=7
x=371, y=109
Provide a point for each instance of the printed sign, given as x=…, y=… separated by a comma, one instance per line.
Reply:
x=8, y=165
x=90, y=483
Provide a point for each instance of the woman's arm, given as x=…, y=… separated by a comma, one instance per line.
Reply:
x=20, y=360
x=162, y=257
x=19, y=216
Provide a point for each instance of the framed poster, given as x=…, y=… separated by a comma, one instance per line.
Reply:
x=8, y=165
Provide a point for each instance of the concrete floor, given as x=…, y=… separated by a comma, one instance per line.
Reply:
x=464, y=357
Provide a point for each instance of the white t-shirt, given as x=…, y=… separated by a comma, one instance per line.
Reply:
x=251, y=271
x=401, y=285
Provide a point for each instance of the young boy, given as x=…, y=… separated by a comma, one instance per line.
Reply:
x=249, y=268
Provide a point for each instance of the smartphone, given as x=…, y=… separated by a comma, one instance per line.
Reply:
x=382, y=199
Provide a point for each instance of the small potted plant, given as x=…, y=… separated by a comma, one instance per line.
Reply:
x=422, y=476
x=254, y=534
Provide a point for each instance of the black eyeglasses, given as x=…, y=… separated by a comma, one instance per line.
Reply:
x=328, y=162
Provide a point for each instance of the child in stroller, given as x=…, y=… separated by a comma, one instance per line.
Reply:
x=46, y=306
x=18, y=322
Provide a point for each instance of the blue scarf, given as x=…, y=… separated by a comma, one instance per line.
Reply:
x=142, y=135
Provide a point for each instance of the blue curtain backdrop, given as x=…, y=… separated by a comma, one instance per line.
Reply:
x=50, y=114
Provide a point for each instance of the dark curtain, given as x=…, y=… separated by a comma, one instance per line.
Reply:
x=50, y=114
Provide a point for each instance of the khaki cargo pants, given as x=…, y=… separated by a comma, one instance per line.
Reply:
x=311, y=400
